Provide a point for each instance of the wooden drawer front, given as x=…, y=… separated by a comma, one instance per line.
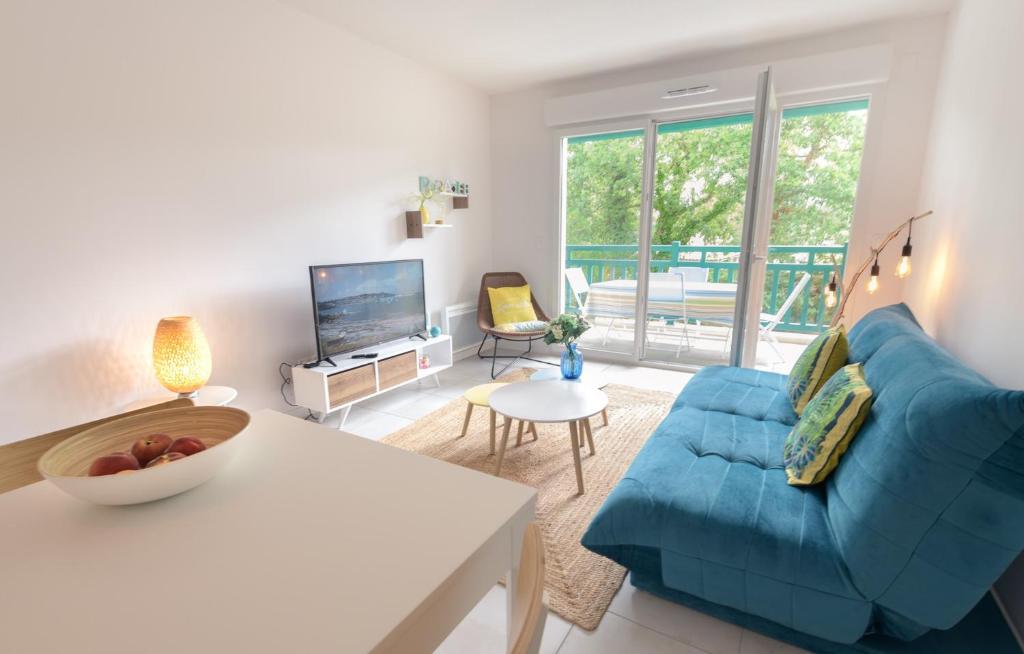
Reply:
x=344, y=387
x=397, y=369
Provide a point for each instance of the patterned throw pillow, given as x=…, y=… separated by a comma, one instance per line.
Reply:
x=511, y=304
x=827, y=427
x=816, y=364
x=517, y=327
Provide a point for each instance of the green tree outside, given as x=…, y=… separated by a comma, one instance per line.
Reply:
x=700, y=183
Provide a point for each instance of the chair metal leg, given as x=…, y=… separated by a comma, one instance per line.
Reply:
x=513, y=358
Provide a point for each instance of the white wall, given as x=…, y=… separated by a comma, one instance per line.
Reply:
x=968, y=267
x=193, y=157
x=525, y=175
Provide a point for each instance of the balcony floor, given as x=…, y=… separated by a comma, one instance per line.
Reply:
x=707, y=345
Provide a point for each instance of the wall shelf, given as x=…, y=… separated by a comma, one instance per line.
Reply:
x=414, y=225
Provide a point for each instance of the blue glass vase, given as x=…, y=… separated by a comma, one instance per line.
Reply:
x=572, y=362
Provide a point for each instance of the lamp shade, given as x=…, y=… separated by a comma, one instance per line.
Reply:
x=181, y=355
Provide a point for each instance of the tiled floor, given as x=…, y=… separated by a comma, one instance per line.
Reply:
x=636, y=622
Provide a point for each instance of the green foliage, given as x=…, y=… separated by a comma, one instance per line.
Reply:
x=565, y=329
x=700, y=184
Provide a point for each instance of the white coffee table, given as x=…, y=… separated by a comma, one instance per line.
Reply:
x=550, y=401
x=594, y=379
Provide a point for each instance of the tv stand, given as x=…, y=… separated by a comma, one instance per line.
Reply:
x=419, y=336
x=326, y=389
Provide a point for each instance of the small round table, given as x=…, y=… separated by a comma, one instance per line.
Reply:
x=596, y=380
x=480, y=395
x=550, y=401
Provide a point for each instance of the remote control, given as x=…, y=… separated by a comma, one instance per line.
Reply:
x=364, y=356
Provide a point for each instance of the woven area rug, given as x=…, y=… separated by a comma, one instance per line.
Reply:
x=580, y=584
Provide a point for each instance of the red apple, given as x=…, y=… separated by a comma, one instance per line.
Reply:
x=111, y=464
x=167, y=457
x=150, y=447
x=187, y=445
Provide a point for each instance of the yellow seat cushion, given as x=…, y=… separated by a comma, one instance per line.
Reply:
x=481, y=395
x=511, y=304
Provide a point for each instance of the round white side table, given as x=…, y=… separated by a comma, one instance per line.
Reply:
x=550, y=401
x=596, y=380
x=208, y=396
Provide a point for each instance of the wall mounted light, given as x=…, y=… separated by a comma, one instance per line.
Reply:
x=903, y=268
x=831, y=292
x=873, y=281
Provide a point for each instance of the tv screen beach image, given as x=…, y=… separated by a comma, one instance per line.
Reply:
x=364, y=304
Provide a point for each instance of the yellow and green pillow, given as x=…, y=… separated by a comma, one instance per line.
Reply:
x=828, y=425
x=511, y=304
x=819, y=361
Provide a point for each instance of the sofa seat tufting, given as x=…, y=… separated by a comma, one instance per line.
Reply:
x=709, y=493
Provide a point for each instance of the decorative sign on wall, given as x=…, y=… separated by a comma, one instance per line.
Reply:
x=449, y=186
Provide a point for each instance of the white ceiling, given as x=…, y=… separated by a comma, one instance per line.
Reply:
x=502, y=45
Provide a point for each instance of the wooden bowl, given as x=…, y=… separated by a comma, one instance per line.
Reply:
x=67, y=463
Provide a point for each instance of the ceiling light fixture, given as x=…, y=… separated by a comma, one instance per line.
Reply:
x=691, y=90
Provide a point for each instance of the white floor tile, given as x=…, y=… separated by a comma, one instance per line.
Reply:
x=617, y=635
x=483, y=630
x=755, y=643
x=677, y=621
x=374, y=424
x=456, y=388
x=423, y=404
x=387, y=402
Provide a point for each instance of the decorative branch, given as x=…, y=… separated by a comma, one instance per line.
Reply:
x=875, y=251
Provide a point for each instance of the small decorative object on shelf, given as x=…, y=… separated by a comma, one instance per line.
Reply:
x=425, y=194
x=566, y=329
x=424, y=362
x=435, y=331
x=438, y=222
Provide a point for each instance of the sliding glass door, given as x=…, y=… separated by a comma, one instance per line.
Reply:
x=602, y=199
x=670, y=220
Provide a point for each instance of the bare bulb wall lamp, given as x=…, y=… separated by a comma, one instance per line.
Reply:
x=836, y=288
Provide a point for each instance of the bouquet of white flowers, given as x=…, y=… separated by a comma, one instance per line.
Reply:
x=565, y=329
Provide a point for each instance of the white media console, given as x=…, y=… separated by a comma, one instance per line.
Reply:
x=326, y=388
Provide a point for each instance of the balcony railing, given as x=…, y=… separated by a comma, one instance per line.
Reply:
x=786, y=263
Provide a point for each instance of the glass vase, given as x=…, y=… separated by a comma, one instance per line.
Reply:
x=572, y=362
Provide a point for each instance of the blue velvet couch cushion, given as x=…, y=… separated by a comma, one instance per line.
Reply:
x=924, y=512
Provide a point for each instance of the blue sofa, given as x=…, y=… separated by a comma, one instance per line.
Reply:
x=924, y=512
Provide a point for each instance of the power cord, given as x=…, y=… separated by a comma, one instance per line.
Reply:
x=286, y=380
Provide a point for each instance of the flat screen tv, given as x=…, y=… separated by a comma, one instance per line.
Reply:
x=358, y=305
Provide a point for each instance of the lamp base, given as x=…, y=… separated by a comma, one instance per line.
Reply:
x=190, y=396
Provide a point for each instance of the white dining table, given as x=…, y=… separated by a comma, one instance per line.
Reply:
x=616, y=298
x=310, y=541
